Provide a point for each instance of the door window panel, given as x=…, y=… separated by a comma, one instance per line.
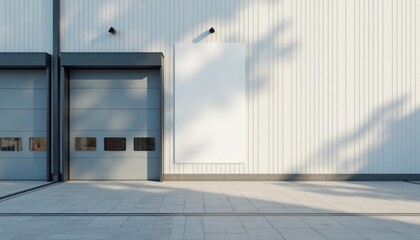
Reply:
x=11, y=144
x=85, y=144
x=38, y=144
x=144, y=144
x=114, y=144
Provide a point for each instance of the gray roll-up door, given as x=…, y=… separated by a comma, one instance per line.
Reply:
x=115, y=124
x=23, y=124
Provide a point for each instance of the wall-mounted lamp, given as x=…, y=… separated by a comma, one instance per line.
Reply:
x=211, y=30
x=112, y=30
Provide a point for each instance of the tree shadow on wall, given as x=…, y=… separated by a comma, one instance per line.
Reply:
x=385, y=143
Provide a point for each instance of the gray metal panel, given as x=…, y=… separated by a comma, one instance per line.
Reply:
x=23, y=98
x=24, y=60
x=23, y=120
x=23, y=89
x=117, y=98
x=23, y=168
x=25, y=153
x=115, y=78
x=112, y=60
x=119, y=120
x=29, y=79
x=114, y=168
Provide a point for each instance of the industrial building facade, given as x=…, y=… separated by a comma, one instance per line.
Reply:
x=209, y=90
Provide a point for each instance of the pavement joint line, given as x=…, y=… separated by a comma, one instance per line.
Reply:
x=206, y=214
x=27, y=191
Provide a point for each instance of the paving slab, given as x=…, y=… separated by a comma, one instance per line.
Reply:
x=10, y=187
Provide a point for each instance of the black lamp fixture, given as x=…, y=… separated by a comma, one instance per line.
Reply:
x=211, y=30
x=112, y=30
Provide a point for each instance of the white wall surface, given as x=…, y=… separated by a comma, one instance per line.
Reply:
x=26, y=26
x=331, y=84
x=210, y=103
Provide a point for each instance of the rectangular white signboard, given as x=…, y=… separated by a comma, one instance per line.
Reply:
x=210, y=103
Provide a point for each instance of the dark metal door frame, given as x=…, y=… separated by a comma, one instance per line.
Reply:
x=69, y=61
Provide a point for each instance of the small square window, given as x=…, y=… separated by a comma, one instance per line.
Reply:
x=38, y=144
x=144, y=144
x=11, y=144
x=85, y=144
x=114, y=144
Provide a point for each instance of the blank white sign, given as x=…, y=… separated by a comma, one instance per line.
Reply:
x=210, y=103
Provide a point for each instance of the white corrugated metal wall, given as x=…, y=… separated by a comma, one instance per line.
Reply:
x=331, y=83
x=26, y=26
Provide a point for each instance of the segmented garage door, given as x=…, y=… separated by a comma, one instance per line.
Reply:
x=115, y=124
x=23, y=124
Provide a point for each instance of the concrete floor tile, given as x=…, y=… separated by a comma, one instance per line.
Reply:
x=389, y=236
x=126, y=236
x=322, y=222
x=8, y=236
x=164, y=222
x=245, y=210
x=194, y=205
x=179, y=209
x=264, y=234
x=35, y=224
x=287, y=222
x=227, y=236
x=412, y=236
x=301, y=233
x=255, y=222
x=405, y=229
x=273, y=210
x=222, y=225
x=73, y=223
x=64, y=236
x=193, y=234
x=96, y=235
x=357, y=222
x=145, y=210
x=340, y=233
x=156, y=234
x=177, y=232
x=138, y=222
x=30, y=236
x=179, y=221
x=193, y=210
x=116, y=224
x=218, y=210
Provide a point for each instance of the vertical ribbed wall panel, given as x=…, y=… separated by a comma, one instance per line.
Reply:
x=26, y=26
x=331, y=84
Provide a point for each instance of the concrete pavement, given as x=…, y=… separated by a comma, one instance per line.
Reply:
x=215, y=210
